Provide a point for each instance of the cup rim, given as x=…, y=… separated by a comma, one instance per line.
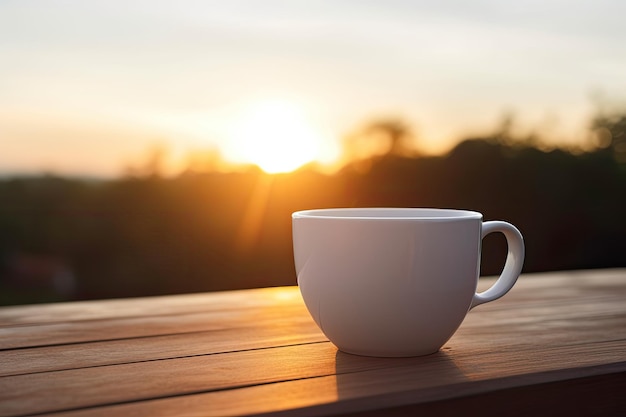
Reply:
x=387, y=213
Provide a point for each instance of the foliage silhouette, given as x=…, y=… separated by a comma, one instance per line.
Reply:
x=72, y=239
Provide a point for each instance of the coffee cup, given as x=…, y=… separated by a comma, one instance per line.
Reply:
x=395, y=281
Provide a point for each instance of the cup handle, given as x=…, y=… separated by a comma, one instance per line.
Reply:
x=512, y=266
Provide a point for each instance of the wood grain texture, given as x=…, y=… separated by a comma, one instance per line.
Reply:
x=82, y=355
x=80, y=322
x=141, y=306
x=257, y=351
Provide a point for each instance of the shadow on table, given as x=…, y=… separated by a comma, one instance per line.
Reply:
x=435, y=385
x=361, y=379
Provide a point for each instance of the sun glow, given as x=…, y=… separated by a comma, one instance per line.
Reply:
x=276, y=136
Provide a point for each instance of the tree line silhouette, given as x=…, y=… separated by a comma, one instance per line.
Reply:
x=67, y=239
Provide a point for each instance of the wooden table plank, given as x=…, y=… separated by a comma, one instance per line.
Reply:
x=566, y=320
x=268, y=356
x=36, y=393
x=169, y=305
x=563, y=322
x=360, y=384
x=81, y=331
x=82, y=355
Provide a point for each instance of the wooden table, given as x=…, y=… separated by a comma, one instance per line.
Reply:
x=556, y=343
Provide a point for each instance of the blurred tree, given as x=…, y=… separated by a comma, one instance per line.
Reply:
x=153, y=165
x=609, y=130
x=387, y=136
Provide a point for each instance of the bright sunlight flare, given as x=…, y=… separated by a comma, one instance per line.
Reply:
x=276, y=136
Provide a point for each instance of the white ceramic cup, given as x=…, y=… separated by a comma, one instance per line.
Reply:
x=395, y=281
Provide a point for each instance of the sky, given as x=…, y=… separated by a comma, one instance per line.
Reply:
x=90, y=87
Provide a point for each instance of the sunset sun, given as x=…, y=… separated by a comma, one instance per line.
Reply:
x=276, y=136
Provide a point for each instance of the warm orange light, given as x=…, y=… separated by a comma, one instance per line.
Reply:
x=276, y=136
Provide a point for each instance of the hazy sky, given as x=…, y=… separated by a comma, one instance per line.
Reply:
x=89, y=86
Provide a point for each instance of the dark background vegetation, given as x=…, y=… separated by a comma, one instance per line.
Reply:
x=145, y=234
